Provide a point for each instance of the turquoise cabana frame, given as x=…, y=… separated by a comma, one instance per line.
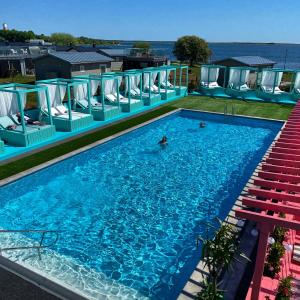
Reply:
x=148, y=97
x=182, y=90
x=132, y=104
x=273, y=95
x=167, y=92
x=152, y=96
x=219, y=91
x=24, y=134
x=72, y=120
x=100, y=109
x=239, y=92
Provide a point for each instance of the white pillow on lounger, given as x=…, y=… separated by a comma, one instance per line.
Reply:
x=133, y=92
x=111, y=97
x=62, y=109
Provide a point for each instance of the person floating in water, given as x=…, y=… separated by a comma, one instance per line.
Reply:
x=202, y=124
x=163, y=141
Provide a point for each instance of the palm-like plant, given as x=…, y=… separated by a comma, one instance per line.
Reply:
x=217, y=255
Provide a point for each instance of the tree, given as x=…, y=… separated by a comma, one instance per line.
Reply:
x=141, y=45
x=60, y=38
x=16, y=35
x=192, y=48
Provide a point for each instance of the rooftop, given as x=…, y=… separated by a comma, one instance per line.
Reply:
x=114, y=52
x=250, y=60
x=81, y=57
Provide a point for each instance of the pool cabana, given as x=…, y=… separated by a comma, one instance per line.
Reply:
x=210, y=78
x=98, y=107
x=63, y=113
x=15, y=130
x=134, y=88
x=239, y=83
x=168, y=88
x=120, y=87
x=152, y=81
x=269, y=88
x=169, y=78
x=181, y=89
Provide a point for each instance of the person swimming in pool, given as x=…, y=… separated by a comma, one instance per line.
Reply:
x=163, y=141
x=202, y=124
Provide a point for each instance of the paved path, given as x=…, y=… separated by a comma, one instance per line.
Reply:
x=13, y=287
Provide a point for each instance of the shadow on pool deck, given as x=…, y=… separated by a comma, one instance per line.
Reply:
x=13, y=287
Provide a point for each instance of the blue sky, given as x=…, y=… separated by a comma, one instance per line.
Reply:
x=214, y=20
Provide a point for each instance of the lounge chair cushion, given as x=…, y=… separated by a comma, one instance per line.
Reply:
x=133, y=92
x=6, y=121
x=111, y=98
x=213, y=85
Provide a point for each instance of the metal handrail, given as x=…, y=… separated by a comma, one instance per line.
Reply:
x=38, y=247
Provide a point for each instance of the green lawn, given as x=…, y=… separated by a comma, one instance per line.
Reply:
x=267, y=110
x=250, y=108
x=19, y=79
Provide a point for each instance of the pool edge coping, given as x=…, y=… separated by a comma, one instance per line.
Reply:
x=42, y=281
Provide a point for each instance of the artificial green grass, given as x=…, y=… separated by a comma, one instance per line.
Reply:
x=265, y=110
x=241, y=107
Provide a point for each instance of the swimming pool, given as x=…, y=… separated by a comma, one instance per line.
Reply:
x=129, y=211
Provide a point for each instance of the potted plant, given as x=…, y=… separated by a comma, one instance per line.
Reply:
x=272, y=266
x=284, y=291
x=217, y=254
x=279, y=234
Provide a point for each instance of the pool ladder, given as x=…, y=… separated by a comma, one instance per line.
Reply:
x=232, y=110
x=39, y=246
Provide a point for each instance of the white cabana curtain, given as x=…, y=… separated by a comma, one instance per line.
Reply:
x=56, y=95
x=204, y=74
x=153, y=77
x=267, y=78
x=117, y=84
x=245, y=76
x=214, y=74
x=238, y=77
x=134, y=82
x=278, y=79
x=146, y=80
x=209, y=74
x=9, y=103
x=234, y=77
x=94, y=84
x=163, y=75
x=297, y=81
x=81, y=92
x=109, y=86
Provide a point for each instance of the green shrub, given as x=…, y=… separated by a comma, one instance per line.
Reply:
x=272, y=266
x=284, y=291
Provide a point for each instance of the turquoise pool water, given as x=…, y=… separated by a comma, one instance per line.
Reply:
x=131, y=210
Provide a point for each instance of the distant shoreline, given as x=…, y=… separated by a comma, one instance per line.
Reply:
x=248, y=43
